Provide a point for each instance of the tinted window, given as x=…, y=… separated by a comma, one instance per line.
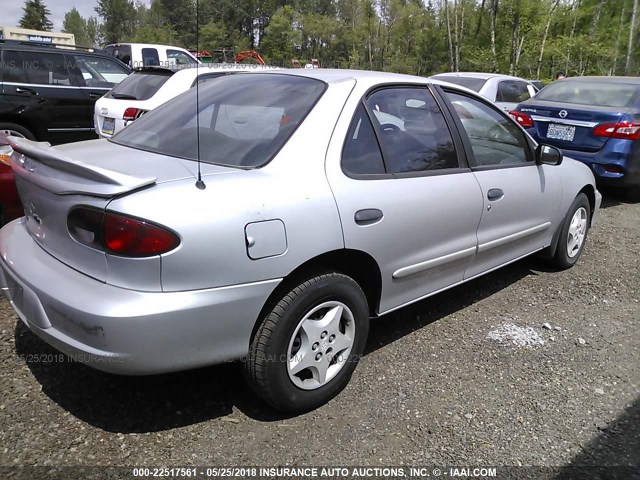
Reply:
x=590, y=92
x=176, y=57
x=99, y=72
x=140, y=85
x=238, y=120
x=472, y=83
x=122, y=53
x=149, y=57
x=512, y=91
x=413, y=133
x=494, y=139
x=13, y=67
x=208, y=77
x=361, y=153
x=46, y=68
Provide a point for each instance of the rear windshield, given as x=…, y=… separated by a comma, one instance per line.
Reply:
x=237, y=121
x=600, y=93
x=140, y=85
x=472, y=83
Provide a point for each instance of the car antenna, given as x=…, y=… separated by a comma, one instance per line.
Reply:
x=200, y=185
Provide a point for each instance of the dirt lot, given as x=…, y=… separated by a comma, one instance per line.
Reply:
x=441, y=384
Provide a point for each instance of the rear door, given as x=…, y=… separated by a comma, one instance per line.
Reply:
x=49, y=95
x=404, y=195
x=520, y=198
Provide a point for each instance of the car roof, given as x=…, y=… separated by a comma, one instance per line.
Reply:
x=150, y=45
x=329, y=75
x=480, y=75
x=634, y=80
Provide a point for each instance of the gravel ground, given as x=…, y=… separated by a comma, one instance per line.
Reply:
x=442, y=383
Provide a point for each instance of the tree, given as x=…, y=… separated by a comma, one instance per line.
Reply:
x=36, y=16
x=74, y=23
x=120, y=20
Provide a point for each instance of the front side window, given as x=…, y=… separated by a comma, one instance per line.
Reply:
x=99, y=72
x=237, y=121
x=412, y=130
x=176, y=57
x=494, y=139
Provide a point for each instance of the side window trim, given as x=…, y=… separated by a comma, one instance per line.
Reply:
x=529, y=150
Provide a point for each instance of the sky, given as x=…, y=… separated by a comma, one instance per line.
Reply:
x=11, y=11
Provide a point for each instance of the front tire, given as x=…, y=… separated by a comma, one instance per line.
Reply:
x=307, y=347
x=573, y=235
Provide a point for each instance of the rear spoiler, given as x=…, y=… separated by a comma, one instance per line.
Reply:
x=80, y=178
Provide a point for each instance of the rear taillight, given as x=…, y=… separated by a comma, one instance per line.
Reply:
x=624, y=130
x=120, y=234
x=132, y=113
x=523, y=119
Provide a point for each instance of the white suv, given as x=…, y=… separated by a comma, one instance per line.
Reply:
x=150, y=87
x=138, y=55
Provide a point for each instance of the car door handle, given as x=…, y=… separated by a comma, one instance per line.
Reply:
x=96, y=94
x=495, y=194
x=368, y=216
x=26, y=90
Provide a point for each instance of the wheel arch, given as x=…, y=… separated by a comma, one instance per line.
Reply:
x=356, y=264
x=590, y=193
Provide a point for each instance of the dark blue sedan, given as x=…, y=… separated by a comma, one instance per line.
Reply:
x=593, y=119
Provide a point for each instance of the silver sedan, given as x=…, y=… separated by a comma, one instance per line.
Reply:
x=267, y=217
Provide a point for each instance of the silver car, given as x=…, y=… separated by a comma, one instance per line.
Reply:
x=267, y=217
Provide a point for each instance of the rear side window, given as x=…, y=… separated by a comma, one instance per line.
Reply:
x=590, y=92
x=13, y=67
x=44, y=68
x=140, y=85
x=513, y=91
x=472, y=83
x=238, y=120
x=413, y=133
x=150, y=57
x=361, y=154
x=122, y=53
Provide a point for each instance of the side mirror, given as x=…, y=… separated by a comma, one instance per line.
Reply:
x=548, y=155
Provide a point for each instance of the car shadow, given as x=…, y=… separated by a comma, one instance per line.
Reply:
x=613, y=455
x=160, y=402
x=612, y=197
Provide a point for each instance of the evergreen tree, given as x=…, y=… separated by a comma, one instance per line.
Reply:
x=36, y=16
x=74, y=23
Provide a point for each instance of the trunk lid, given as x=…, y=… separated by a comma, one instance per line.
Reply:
x=570, y=126
x=52, y=181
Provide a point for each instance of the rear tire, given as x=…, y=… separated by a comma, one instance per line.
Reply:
x=307, y=347
x=16, y=130
x=573, y=235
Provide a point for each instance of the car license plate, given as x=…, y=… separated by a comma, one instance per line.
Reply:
x=561, y=132
x=108, y=126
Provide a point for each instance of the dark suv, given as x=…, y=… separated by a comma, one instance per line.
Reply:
x=47, y=92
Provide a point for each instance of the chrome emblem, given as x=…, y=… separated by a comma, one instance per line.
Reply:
x=563, y=113
x=104, y=111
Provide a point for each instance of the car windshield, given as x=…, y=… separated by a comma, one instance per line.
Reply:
x=236, y=120
x=590, y=92
x=472, y=83
x=140, y=85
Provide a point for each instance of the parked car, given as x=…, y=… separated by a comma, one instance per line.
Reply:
x=266, y=217
x=138, y=55
x=595, y=120
x=10, y=206
x=47, y=93
x=150, y=87
x=539, y=84
x=504, y=90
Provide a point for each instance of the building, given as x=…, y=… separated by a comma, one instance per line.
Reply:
x=24, y=34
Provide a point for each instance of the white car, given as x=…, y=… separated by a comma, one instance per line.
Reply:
x=503, y=90
x=150, y=87
x=138, y=55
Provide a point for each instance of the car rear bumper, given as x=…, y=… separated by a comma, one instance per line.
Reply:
x=124, y=331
